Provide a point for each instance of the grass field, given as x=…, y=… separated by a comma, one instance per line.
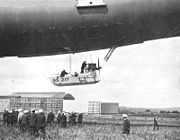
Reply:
x=95, y=132
x=103, y=127
x=135, y=120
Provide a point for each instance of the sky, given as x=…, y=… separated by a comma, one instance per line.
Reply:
x=140, y=75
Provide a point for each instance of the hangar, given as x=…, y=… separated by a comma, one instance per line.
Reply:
x=28, y=100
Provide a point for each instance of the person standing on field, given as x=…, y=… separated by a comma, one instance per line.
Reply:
x=80, y=119
x=63, y=120
x=20, y=119
x=25, y=120
x=155, y=124
x=73, y=118
x=126, y=124
x=32, y=122
x=40, y=122
x=50, y=118
x=59, y=118
x=5, y=117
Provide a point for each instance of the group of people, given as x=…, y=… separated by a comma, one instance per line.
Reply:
x=84, y=68
x=35, y=121
x=71, y=118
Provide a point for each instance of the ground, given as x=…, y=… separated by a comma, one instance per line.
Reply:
x=103, y=127
x=95, y=132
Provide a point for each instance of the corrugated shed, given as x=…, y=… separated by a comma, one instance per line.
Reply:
x=61, y=95
x=7, y=97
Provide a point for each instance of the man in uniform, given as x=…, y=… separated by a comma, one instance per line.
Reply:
x=73, y=118
x=59, y=118
x=25, y=121
x=50, y=118
x=63, y=73
x=11, y=118
x=80, y=118
x=41, y=122
x=15, y=112
x=126, y=124
x=63, y=120
x=20, y=119
x=5, y=117
x=84, y=64
x=32, y=122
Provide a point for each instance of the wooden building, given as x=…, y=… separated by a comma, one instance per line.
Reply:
x=38, y=100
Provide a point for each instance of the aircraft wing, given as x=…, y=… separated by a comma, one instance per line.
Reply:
x=52, y=27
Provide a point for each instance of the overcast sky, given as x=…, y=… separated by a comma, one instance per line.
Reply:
x=142, y=75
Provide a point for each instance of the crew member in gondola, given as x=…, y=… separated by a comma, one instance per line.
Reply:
x=63, y=73
x=76, y=74
x=84, y=64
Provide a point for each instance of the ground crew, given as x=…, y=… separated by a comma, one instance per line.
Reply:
x=32, y=122
x=10, y=118
x=73, y=118
x=28, y=120
x=126, y=124
x=5, y=117
x=25, y=120
x=50, y=118
x=16, y=112
x=59, y=119
x=41, y=122
x=63, y=120
x=80, y=118
x=20, y=119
